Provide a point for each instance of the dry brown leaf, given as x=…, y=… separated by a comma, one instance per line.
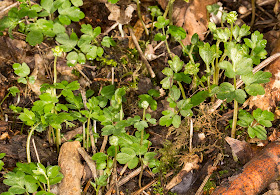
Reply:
x=191, y=16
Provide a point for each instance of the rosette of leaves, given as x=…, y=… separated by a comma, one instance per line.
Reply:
x=131, y=150
x=256, y=122
x=27, y=178
x=88, y=44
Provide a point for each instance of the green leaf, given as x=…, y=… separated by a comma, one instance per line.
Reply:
x=241, y=65
x=68, y=43
x=199, y=98
x=176, y=122
x=133, y=163
x=161, y=22
x=154, y=93
x=255, y=89
x=126, y=155
x=149, y=99
x=73, y=13
x=108, y=91
x=258, y=77
x=13, y=90
x=176, y=64
x=227, y=91
x=77, y=3
x=177, y=32
x=72, y=58
x=58, y=28
x=174, y=93
x=155, y=11
x=141, y=125
x=227, y=66
x=207, y=53
x=108, y=41
x=167, y=119
x=263, y=117
x=52, y=171
x=28, y=117
x=21, y=70
x=222, y=34
x=185, y=107
x=2, y=155
x=17, y=190
x=34, y=38
x=159, y=37
x=182, y=77
x=99, y=157
x=166, y=83
x=257, y=131
x=22, y=80
x=257, y=44
x=48, y=6
x=245, y=118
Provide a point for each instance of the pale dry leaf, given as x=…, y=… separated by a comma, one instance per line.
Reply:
x=120, y=14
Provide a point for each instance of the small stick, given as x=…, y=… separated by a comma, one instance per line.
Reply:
x=240, y=82
x=199, y=191
x=35, y=149
x=104, y=143
x=89, y=161
x=191, y=134
x=9, y=7
x=134, y=39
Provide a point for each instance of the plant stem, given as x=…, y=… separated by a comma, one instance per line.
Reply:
x=182, y=90
x=235, y=113
x=5, y=98
x=54, y=70
x=170, y=2
x=88, y=122
x=217, y=69
x=231, y=29
x=141, y=142
x=152, y=27
x=140, y=16
x=58, y=139
x=28, y=142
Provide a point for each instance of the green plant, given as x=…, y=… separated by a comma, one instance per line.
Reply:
x=42, y=112
x=31, y=19
x=241, y=58
x=27, y=178
x=2, y=155
x=256, y=122
x=13, y=91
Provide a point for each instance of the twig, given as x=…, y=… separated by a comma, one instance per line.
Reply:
x=191, y=135
x=83, y=74
x=199, y=191
x=89, y=161
x=240, y=82
x=150, y=184
x=104, y=143
x=151, y=72
x=9, y=7
x=35, y=149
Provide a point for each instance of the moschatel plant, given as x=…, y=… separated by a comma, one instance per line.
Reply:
x=231, y=52
x=27, y=178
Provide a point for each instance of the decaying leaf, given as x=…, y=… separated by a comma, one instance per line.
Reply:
x=191, y=16
x=188, y=166
x=120, y=14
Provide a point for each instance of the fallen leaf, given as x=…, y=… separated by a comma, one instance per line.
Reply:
x=191, y=16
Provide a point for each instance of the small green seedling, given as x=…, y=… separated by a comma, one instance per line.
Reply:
x=13, y=91
x=256, y=122
x=23, y=70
